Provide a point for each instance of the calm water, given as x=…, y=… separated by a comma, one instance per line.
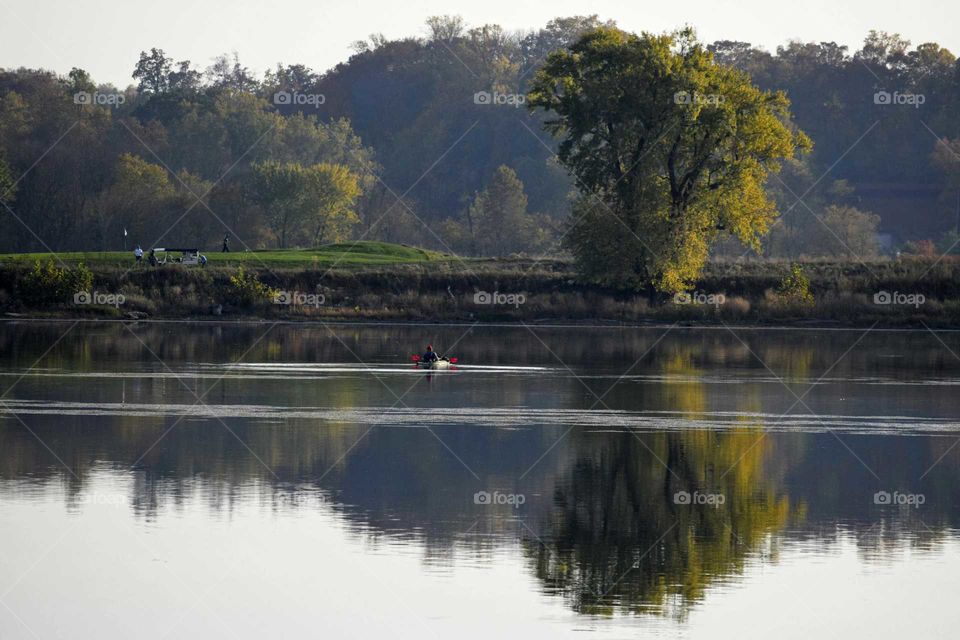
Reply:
x=174, y=480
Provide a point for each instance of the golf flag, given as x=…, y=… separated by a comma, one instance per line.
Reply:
x=124, y=233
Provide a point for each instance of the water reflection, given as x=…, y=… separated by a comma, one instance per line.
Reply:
x=355, y=432
x=619, y=537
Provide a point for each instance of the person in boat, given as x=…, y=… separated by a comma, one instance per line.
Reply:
x=430, y=355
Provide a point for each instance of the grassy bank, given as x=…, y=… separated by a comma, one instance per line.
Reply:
x=389, y=282
x=345, y=254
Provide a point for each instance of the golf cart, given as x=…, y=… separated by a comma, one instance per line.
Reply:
x=187, y=256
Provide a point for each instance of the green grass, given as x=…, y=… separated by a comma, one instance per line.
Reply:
x=346, y=254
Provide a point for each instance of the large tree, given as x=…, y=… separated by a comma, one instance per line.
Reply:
x=153, y=71
x=498, y=216
x=313, y=204
x=669, y=148
x=141, y=195
x=332, y=192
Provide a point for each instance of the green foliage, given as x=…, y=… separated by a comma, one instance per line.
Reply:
x=313, y=204
x=676, y=147
x=332, y=190
x=415, y=107
x=248, y=290
x=7, y=186
x=795, y=287
x=846, y=232
x=837, y=231
x=48, y=284
x=97, y=184
x=153, y=71
x=141, y=192
x=497, y=222
x=499, y=215
x=603, y=251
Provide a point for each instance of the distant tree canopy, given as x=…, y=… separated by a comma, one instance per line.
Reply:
x=432, y=119
x=497, y=222
x=671, y=146
x=172, y=163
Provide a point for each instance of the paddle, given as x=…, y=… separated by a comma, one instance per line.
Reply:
x=417, y=358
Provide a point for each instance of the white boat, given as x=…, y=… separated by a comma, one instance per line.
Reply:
x=442, y=363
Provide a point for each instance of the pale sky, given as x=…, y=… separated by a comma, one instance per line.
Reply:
x=106, y=37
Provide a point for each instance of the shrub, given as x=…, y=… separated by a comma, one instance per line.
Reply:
x=737, y=306
x=49, y=284
x=247, y=289
x=795, y=287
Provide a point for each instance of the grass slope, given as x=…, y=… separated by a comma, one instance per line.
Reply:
x=346, y=254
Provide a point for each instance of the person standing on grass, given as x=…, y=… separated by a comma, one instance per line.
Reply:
x=152, y=258
x=226, y=246
x=138, y=254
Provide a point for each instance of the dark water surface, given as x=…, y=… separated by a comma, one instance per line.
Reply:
x=177, y=480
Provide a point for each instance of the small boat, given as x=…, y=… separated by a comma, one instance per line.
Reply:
x=441, y=363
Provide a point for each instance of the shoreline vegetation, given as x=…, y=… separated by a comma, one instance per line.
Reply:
x=373, y=281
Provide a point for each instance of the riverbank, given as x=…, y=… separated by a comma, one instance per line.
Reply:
x=903, y=293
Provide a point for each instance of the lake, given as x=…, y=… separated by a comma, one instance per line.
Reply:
x=247, y=480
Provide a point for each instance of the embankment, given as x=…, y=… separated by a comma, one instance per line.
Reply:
x=891, y=293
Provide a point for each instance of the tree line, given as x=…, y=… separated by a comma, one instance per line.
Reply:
x=431, y=140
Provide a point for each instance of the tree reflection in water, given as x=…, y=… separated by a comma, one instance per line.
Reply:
x=620, y=536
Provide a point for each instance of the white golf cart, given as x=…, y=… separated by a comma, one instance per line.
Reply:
x=187, y=256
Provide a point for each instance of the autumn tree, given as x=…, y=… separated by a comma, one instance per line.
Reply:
x=313, y=203
x=141, y=194
x=332, y=191
x=669, y=149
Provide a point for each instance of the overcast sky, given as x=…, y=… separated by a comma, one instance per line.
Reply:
x=105, y=37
